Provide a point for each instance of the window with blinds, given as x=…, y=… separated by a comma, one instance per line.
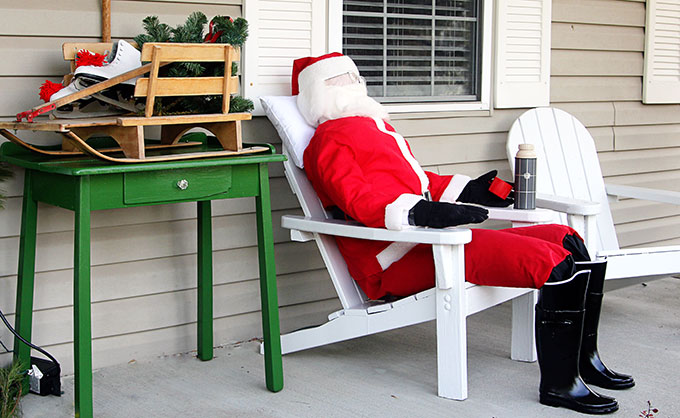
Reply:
x=415, y=50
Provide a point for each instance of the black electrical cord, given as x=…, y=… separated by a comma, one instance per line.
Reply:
x=48, y=355
x=5, y=347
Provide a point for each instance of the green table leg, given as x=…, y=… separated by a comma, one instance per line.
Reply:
x=82, y=343
x=270, y=305
x=205, y=288
x=23, y=322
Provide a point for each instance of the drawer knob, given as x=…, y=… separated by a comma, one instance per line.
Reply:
x=182, y=184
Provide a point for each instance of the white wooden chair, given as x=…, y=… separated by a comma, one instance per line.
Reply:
x=568, y=168
x=450, y=302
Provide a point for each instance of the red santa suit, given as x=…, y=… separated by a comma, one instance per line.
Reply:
x=362, y=166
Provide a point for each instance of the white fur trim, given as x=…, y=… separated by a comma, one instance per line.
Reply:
x=401, y=142
x=326, y=68
x=395, y=211
x=455, y=188
x=393, y=252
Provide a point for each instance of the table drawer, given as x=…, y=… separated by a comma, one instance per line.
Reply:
x=175, y=185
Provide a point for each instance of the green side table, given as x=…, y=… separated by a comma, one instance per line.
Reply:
x=84, y=185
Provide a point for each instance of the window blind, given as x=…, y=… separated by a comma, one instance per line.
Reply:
x=415, y=50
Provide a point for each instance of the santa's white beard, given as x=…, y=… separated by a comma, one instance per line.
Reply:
x=321, y=103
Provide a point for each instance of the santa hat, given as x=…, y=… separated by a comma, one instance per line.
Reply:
x=325, y=66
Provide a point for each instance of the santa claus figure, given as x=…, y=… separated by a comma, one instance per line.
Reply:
x=362, y=169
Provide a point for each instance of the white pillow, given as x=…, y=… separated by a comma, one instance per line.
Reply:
x=293, y=129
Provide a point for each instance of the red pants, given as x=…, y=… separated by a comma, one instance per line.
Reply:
x=514, y=257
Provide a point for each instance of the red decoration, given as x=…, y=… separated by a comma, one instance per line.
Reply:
x=48, y=88
x=85, y=57
x=212, y=37
x=500, y=188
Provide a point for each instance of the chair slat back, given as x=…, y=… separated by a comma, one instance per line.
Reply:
x=350, y=295
x=567, y=163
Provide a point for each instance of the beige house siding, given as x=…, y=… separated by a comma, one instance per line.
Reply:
x=143, y=259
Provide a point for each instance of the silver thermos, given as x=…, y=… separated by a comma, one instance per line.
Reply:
x=525, y=177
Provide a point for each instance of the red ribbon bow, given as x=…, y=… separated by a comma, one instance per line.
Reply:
x=212, y=37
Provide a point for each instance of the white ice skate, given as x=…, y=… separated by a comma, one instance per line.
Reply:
x=123, y=58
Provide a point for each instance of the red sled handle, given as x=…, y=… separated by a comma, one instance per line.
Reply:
x=30, y=114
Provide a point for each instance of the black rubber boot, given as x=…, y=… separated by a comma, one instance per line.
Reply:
x=559, y=325
x=593, y=370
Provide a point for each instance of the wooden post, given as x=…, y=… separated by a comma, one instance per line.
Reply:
x=106, y=20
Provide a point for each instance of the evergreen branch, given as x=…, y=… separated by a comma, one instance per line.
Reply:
x=234, y=32
x=155, y=31
x=192, y=30
x=186, y=69
x=239, y=104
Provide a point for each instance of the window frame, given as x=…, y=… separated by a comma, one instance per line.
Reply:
x=484, y=103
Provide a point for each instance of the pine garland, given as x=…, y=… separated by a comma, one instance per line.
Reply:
x=231, y=31
x=155, y=31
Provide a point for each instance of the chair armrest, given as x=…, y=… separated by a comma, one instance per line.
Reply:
x=446, y=236
x=655, y=195
x=537, y=215
x=568, y=205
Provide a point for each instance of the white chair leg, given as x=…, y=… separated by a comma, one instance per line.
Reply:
x=523, y=337
x=451, y=317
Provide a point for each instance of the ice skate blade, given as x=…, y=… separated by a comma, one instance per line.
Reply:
x=93, y=109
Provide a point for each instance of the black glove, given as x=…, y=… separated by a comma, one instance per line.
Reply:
x=442, y=214
x=477, y=191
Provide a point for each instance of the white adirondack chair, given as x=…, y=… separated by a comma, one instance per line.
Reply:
x=568, y=168
x=450, y=302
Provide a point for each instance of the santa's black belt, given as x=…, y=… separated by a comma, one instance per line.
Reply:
x=337, y=213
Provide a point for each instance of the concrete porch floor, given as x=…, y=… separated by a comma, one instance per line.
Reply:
x=394, y=374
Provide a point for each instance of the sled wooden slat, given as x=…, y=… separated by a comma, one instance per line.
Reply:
x=230, y=84
x=185, y=86
x=181, y=119
x=56, y=125
x=188, y=52
x=63, y=125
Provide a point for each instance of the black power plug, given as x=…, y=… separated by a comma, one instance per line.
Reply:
x=45, y=377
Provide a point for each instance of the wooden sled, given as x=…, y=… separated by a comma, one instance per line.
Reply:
x=157, y=55
x=128, y=131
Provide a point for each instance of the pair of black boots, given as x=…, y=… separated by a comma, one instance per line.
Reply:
x=567, y=318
